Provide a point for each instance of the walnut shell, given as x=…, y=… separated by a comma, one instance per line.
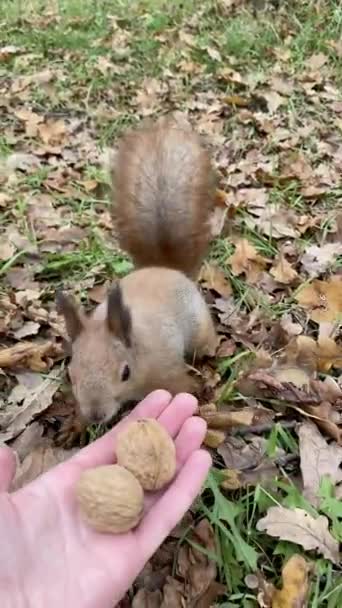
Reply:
x=111, y=499
x=147, y=450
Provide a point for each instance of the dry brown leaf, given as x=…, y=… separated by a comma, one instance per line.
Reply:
x=274, y=100
x=293, y=375
x=196, y=568
x=213, y=277
x=240, y=455
x=295, y=589
x=147, y=599
x=228, y=419
x=30, y=328
x=283, y=272
x=317, y=260
x=274, y=221
x=52, y=131
x=246, y=259
x=7, y=248
x=289, y=326
x=316, y=61
x=282, y=85
x=29, y=354
x=302, y=352
x=36, y=399
x=329, y=354
x=325, y=417
x=226, y=349
x=322, y=299
x=298, y=526
x=317, y=458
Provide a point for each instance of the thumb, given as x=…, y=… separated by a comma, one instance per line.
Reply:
x=7, y=467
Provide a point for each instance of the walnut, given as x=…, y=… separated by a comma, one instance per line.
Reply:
x=111, y=499
x=148, y=452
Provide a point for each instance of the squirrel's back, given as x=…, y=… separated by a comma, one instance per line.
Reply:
x=164, y=188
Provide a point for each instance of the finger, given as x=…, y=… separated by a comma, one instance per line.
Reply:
x=7, y=467
x=181, y=407
x=170, y=413
x=189, y=439
x=102, y=451
x=174, y=503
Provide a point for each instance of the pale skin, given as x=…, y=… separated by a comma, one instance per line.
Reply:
x=49, y=557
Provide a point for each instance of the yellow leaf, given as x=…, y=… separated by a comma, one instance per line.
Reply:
x=295, y=584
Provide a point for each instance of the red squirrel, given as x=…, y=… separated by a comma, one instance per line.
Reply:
x=155, y=318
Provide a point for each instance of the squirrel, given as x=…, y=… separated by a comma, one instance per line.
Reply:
x=155, y=318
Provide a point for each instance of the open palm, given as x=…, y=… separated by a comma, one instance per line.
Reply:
x=48, y=556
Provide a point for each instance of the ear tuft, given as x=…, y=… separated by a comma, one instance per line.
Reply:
x=119, y=318
x=67, y=307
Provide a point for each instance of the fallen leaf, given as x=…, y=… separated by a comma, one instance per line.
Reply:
x=282, y=85
x=30, y=354
x=35, y=400
x=274, y=221
x=289, y=326
x=7, y=248
x=283, y=272
x=274, y=100
x=213, y=277
x=194, y=566
x=214, y=54
x=246, y=259
x=298, y=526
x=329, y=354
x=292, y=375
x=52, y=131
x=302, y=352
x=226, y=348
x=239, y=454
x=322, y=299
x=316, y=61
x=317, y=458
x=226, y=418
x=295, y=589
x=317, y=260
x=29, y=328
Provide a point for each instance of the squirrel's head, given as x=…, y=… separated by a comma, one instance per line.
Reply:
x=101, y=367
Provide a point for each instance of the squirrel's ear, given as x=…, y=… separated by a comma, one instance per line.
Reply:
x=118, y=316
x=68, y=308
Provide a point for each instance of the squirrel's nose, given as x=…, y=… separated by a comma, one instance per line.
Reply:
x=96, y=416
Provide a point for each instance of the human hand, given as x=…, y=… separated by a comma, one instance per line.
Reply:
x=48, y=556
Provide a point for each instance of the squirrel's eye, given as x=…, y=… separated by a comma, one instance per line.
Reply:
x=126, y=372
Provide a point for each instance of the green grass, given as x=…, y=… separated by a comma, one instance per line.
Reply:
x=141, y=41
